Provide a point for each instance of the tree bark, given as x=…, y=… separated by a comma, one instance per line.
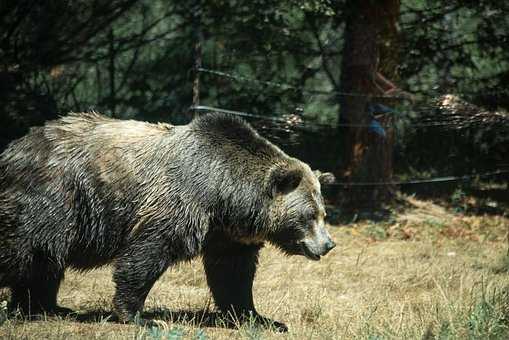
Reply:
x=370, y=49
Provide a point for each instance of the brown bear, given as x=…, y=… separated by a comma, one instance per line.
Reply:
x=87, y=190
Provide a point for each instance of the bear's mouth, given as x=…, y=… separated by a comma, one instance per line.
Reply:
x=308, y=253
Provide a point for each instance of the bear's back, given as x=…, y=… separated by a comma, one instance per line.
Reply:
x=231, y=132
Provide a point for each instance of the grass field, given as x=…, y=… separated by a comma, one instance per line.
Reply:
x=425, y=274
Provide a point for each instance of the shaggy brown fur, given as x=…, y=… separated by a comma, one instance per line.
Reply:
x=86, y=190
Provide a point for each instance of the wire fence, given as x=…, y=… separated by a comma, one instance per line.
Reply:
x=417, y=181
x=290, y=122
x=444, y=179
x=302, y=89
x=286, y=118
x=425, y=111
x=286, y=86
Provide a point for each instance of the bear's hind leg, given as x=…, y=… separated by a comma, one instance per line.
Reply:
x=230, y=268
x=37, y=293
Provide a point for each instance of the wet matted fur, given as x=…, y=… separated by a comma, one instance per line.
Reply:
x=86, y=190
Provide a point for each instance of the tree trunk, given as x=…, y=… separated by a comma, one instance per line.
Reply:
x=370, y=47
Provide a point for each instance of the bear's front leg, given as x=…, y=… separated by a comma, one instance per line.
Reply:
x=136, y=271
x=230, y=268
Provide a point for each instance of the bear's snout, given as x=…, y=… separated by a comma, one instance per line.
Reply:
x=318, y=245
x=329, y=246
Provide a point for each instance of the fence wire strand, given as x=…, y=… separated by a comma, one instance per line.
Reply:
x=307, y=123
x=285, y=86
x=443, y=179
x=296, y=124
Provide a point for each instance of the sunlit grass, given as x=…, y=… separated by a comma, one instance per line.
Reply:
x=428, y=274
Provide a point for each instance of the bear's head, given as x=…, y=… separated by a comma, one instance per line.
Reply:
x=297, y=210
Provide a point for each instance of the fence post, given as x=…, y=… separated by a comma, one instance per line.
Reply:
x=198, y=36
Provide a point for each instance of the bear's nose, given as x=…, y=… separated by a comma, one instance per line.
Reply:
x=329, y=246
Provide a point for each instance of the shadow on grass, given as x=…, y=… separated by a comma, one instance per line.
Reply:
x=469, y=200
x=341, y=217
x=152, y=318
x=198, y=318
x=201, y=318
x=478, y=199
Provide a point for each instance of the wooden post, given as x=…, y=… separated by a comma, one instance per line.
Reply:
x=112, y=71
x=198, y=36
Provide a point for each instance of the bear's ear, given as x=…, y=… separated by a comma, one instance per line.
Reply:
x=325, y=177
x=283, y=180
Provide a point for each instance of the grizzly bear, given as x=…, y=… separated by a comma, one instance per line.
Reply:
x=87, y=190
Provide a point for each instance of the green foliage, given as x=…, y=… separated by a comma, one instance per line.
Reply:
x=487, y=321
x=462, y=43
x=174, y=333
x=435, y=223
x=377, y=232
x=135, y=59
x=502, y=266
x=157, y=333
x=374, y=337
x=129, y=56
x=3, y=311
x=458, y=202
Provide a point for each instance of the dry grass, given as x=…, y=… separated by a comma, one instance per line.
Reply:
x=426, y=274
